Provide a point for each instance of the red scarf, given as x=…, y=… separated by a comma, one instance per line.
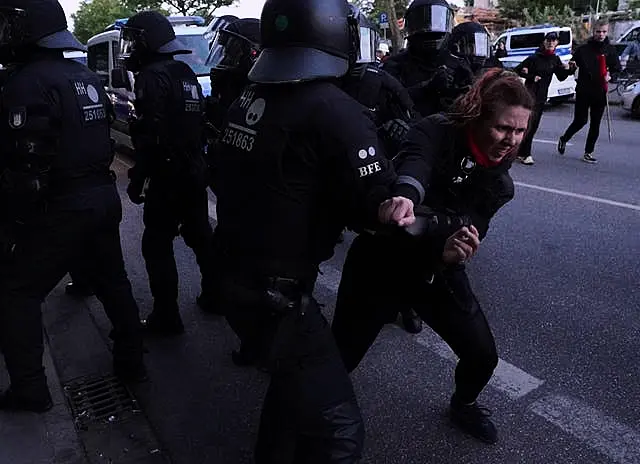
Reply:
x=481, y=158
x=548, y=52
x=602, y=63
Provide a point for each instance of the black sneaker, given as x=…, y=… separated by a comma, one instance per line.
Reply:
x=10, y=401
x=474, y=420
x=562, y=145
x=589, y=158
x=411, y=321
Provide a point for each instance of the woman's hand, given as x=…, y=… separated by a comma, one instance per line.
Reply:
x=461, y=246
x=396, y=210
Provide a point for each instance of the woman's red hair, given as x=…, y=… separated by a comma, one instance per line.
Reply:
x=494, y=90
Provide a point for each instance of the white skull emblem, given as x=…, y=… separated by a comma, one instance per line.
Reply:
x=255, y=111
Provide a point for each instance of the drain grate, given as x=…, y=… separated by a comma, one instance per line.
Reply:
x=99, y=400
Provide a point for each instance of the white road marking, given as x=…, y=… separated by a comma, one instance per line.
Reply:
x=580, y=196
x=602, y=433
x=551, y=142
x=507, y=378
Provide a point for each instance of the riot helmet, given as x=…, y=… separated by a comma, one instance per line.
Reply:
x=304, y=40
x=368, y=37
x=235, y=47
x=33, y=23
x=147, y=34
x=470, y=41
x=217, y=24
x=428, y=23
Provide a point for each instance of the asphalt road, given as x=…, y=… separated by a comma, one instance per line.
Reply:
x=558, y=278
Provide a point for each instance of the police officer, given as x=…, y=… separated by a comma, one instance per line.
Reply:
x=59, y=196
x=233, y=52
x=390, y=105
x=538, y=70
x=469, y=41
x=298, y=160
x=170, y=172
x=426, y=68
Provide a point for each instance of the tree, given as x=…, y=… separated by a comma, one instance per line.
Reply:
x=140, y=5
x=515, y=9
x=203, y=8
x=94, y=15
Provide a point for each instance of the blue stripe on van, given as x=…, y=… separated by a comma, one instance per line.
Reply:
x=531, y=51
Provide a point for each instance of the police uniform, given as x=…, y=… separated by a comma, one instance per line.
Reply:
x=296, y=162
x=426, y=68
x=60, y=201
x=170, y=173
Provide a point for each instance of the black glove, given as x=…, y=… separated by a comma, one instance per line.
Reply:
x=430, y=222
x=395, y=129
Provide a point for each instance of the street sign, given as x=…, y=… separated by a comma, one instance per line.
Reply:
x=384, y=19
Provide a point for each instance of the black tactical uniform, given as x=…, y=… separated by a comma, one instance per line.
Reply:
x=426, y=68
x=170, y=171
x=436, y=169
x=390, y=104
x=232, y=54
x=297, y=161
x=58, y=195
x=470, y=43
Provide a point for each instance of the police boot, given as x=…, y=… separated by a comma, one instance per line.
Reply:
x=163, y=321
x=78, y=290
x=12, y=401
x=411, y=321
x=474, y=420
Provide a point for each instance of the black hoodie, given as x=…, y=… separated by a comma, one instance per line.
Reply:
x=586, y=58
x=543, y=65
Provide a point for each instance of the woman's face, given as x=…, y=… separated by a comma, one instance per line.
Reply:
x=502, y=134
x=550, y=45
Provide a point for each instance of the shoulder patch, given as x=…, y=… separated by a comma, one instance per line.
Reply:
x=17, y=117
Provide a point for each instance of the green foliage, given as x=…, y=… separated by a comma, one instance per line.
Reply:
x=140, y=5
x=203, y=8
x=93, y=16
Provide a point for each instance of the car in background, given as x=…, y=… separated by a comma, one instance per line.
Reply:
x=521, y=42
x=103, y=57
x=631, y=99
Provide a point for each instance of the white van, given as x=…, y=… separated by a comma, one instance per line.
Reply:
x=522, y=42
x=102, y=58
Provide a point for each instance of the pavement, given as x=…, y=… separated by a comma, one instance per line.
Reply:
x=557, y=277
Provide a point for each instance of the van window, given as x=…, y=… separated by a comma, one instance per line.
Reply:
x=535, y=39
x=633, y=35
x=98, y=61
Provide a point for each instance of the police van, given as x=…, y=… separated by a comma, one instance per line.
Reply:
x=521, y=42
x=80, y=57
x=102, y=57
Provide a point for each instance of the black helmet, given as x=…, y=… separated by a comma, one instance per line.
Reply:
x=216, y=24
x=428, y=22
x=236, y=46
x=368, y=37
x=148, y=33
x=34, y=22
x=470, y=40
x=303, y=40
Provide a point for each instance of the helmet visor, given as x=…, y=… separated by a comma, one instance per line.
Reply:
x=476, y=45
x=429, y=18
x=368, y=44
x=131, y=40
x=230, y=51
